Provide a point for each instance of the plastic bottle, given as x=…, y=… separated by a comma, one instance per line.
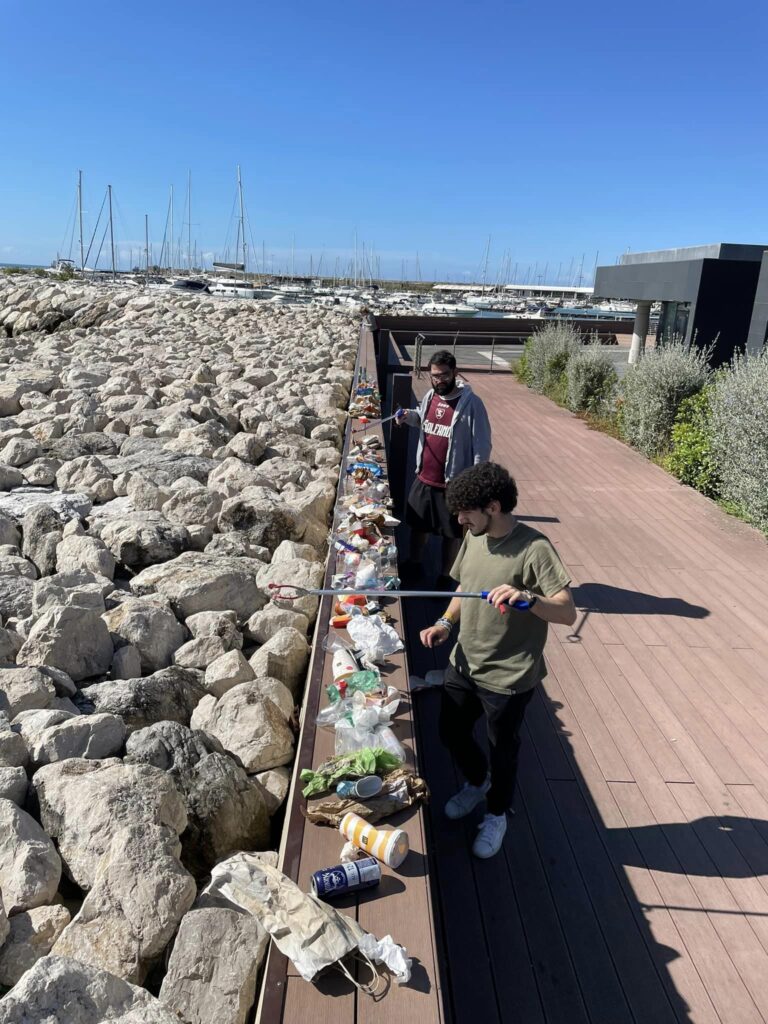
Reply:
x=343, y=665
x=387, y=845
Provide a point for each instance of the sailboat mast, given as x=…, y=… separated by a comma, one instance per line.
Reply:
x=80, y=214
x=111, y=232
x=485, y=266
x=242, y=221
x=189, y=223
x=146, y=248
x=170, y=251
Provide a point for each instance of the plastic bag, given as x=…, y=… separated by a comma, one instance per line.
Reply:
x=374, y=638
x=355, y=765
x=351, y=737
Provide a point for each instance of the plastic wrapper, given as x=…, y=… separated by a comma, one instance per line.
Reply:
x=350, y=737
x=355, y=765
x=374, y=638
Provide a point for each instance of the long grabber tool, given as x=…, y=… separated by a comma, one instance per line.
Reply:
x=375, y=423
x=519, y=606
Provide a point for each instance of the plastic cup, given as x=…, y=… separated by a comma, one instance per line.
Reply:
x=363, y=789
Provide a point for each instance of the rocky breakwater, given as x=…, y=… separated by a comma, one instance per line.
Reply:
x=162, y=461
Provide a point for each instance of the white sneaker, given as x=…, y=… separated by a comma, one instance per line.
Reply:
x=466, y=800
x=491, y=836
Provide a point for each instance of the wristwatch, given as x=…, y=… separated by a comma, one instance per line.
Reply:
x=530, y=597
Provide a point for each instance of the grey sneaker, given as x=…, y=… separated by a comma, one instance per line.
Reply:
x=490, y=836
x=466, y=800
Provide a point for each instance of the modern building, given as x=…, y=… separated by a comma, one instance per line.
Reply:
x=710, y=295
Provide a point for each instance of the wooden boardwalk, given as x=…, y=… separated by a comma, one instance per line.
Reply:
x=633, y=883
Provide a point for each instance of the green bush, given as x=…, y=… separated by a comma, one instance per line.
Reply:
x=739, y=435
x=521, y=367
x=691, y=458
x=591, y=381
x=652, y=391
x=548, y=352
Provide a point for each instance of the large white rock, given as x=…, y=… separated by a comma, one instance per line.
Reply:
x=198, y=582
x=86, y=474
x=275, y=783
x=231, y=476
x=214, y=965
x=83, y=804
x=200, y=653
x=80, y=588
x=139, y=539
x=91, y=996
x=226, y=810
x=278, y=693
x=222, y=624
x=299, y=573
x=57, y=735
x=22, y=689
x=90, y=553
x=198, y=507
x=151, y=627
x=285, y=656
x=140, y=893
x=32, y=934
x=249, y=725
x=170, y=694
x=227, y=671
x=263, y=520
x=30, y=868
x=73, y=639
x=14, y=784
x=263, y=624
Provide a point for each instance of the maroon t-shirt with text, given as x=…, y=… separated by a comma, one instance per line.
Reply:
x=437, y=427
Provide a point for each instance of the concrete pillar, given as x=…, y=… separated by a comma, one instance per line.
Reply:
x=640, y=330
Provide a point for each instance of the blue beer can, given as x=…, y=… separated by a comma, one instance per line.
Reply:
x=344, y=878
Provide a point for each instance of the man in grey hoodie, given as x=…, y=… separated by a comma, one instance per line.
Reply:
x=455, y=433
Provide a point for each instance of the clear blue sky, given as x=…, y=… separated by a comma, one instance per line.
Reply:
x=557, y=129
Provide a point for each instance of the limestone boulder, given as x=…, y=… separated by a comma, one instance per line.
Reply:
x=16, y=596
x=227, y=671
x=275, y=784
x=278, y=693
x=15, y=565
x=222, y=624
x=249, y=725
x=83, y=804
x=214, y=965
x=91, y=996
x=200, y=652
x=30, y=867
x=170, y=694
x=13, y=786
x=198, y=507
x=199, y=582
x=79, y=588
x=23, y=689
x=4, y=926
x=89, y=475
x=9, y=532
x=10, y=478
x=57, y=735
x=289, y=550
x=232, y=475
x=20, y=451
x=297, y=572
x=265, y=522
x=139, y=539
x=89, y=553
x=73, y=639
x=13, y=750
x=42, y=530
x=31, y=936
x=285, y=656
x=126, y=663
x=227, y=812
x=10, y=645
x=139, y=895
x=245, y=447
x=263, y=624
x=148, y=625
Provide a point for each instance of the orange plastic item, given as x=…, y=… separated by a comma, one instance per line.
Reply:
x=340, y=621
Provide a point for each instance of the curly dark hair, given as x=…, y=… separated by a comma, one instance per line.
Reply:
x=478, y=486
x=443, y=358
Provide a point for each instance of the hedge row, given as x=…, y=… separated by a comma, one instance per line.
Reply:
x=710, y=429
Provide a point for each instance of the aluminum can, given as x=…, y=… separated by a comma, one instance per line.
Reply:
x=344, y=878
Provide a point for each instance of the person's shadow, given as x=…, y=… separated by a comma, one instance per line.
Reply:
x=600, y=597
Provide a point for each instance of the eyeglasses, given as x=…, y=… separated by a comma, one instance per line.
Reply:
x=441, y=376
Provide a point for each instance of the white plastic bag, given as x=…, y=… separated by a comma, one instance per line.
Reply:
x=375, y=638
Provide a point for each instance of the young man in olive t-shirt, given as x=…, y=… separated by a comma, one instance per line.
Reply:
x=499, y=655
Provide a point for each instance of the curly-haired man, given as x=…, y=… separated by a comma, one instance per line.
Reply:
x=498, y=659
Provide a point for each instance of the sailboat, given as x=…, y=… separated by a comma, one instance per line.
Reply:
x=234, y=287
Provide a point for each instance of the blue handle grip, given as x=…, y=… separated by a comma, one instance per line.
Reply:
x=520, y=606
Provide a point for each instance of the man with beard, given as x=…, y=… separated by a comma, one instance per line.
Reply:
x=498, y=659
x=455, y=433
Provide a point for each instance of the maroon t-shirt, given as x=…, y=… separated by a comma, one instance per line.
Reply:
x=437, y=427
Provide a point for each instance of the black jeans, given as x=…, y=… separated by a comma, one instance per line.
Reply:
x=463, y=702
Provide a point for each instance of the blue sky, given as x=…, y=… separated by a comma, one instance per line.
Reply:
x=560, y=130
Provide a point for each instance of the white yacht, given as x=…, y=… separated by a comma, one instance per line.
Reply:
x=233, y=288
x=448, y=309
